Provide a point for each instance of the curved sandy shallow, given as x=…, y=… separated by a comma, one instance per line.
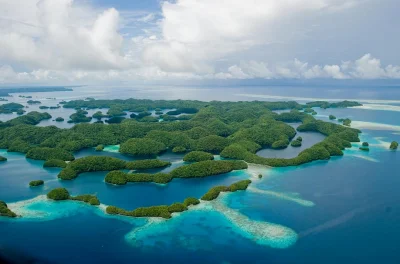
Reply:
x=293, y=98
x=379, y=107
x=374, y=126
x=284, y=196
x=263, y=233
x=254, y=170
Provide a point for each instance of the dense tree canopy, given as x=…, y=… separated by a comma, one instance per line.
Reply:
x=44, y=153
x=196, y=156
x=54, y=163
x=237, y=129
x=36, y=183
x=394, y=145
x=86, y=198
x=338, y=138
x=296, y=143
x=146, y=164
x=142, y=147
x=214, y=192
x=5, y=211
x=79, y=117
x=10, y=108
x=58, y=194
x=106, y=163
x=200, y=169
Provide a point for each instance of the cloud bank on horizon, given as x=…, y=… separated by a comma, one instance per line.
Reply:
x=59, y=41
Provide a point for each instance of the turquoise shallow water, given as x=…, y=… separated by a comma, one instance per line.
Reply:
x=345, y=210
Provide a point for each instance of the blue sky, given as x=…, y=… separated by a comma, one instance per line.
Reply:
x=105, y=41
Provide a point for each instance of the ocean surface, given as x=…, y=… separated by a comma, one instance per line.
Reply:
x=345, y=210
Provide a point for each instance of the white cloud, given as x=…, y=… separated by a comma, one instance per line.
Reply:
x=66, y=36
x=335, y=72
x=208, y=30
x=53, y=41
x=366, y=67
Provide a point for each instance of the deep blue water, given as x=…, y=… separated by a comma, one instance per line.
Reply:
x=355, y=217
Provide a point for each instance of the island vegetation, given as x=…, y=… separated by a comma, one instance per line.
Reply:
x=325, y=105
x=80, y=116
x=164, y=211
x=5, y=211
x=297, y=142
x=147, y=164
x=142, y=147
x=36, y=183
x=33, y=102
x=214, y=192
x=54, y=163
x=58, y=194
x=99, y=148
x=99, y=115
x=115, y=120
x=332, y=117
x=196, y=156
x=62, y=194
x=338, y=138
x=86, y=198
x=196, y=170
x=10, y=108
x=32, y=118
x=59, y=119
x=45, y=153
x=346, y=122
x=235, y=130
x=3, y=158
x=394, y=145
x=105, y=163
x=179, y=149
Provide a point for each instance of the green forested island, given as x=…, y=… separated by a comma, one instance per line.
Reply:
x=36, y=183
x=196, y=156
x=200, y=130
x=165, y=211
x=5, y=211
x=196, y=170
x=235, y=130
x=60, y=194
x=394, y=145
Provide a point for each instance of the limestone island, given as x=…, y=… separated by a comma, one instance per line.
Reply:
x=36, y=183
